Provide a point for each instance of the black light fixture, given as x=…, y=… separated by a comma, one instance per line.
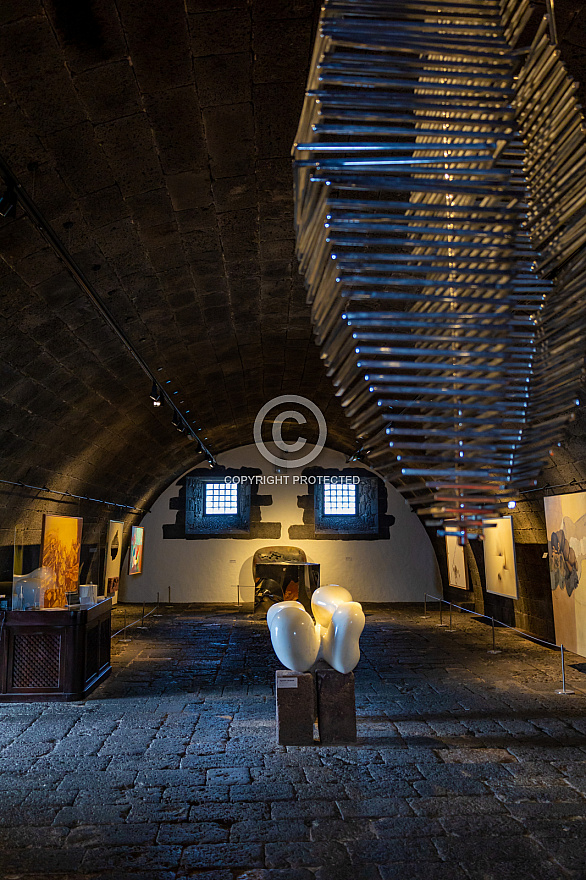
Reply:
x=156, y=395
x=177, y=423
x=8, y=202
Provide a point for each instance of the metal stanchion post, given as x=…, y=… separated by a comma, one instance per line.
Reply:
x=125, y=639
x=142, y=626
x=169, y=594
x=441, y=623
x=425, y=614
x=563, y=689
x=494, y=650
x=450, y=629
x=158, y=603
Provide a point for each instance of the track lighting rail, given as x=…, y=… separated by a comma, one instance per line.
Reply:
x=22, y=485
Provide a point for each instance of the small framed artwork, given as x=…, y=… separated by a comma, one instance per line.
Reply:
x=136, y=548
x=113, y=557
x=499, y=557
x=457, y=571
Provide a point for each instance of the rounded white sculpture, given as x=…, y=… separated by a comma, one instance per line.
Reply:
x=294, y=636
x=298, y=641
x=274, y=609
x=340, y=643
x=325, y=600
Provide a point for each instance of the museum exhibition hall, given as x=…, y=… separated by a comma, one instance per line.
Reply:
x=293, y=439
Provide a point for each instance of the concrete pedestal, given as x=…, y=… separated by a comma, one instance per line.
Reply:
x=295, y=697
x=336, y=706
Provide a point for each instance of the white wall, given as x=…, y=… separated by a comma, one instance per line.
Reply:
x=398, y=569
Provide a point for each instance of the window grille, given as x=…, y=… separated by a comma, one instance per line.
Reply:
x=221, y=498
x=339, y=499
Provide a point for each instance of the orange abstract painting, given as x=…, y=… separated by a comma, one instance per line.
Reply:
x=60, y=553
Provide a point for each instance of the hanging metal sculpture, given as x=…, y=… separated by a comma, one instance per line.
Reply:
x=425, y=162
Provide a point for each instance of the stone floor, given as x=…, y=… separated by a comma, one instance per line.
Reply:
x=468, y=765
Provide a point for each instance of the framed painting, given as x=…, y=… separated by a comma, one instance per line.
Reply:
x=136, y=548
x=457, y=571
x=60, y=554
x=499, y=557
x=113, y=557
x=565, y=518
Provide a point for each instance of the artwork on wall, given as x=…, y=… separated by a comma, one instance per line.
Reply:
x=113, y=557
x=136, y=547
x=499, y=557
x=565, y=517
x=457, y=572
x=60, y=554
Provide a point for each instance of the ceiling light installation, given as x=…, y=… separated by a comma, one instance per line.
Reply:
x=411, y=217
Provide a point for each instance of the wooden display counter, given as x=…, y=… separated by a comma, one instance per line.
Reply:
x=54, y=655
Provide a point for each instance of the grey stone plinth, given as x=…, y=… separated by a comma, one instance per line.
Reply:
x=336, y=706
x=295, y=697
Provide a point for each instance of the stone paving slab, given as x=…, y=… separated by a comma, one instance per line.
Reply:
x=468, y=766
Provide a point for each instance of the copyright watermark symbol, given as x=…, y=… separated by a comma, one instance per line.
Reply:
x=277, y=431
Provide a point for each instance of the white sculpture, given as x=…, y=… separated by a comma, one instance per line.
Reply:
x=294, y=636
x=298, y=641
x=340, y=641
x=325, y=600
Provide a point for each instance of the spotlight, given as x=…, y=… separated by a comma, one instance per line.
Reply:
x=156, y=396
x=209, y=457
x=511, y=505
x=177, y=423
x=8, y=202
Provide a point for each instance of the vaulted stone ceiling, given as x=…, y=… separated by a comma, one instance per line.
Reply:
x=155, y=137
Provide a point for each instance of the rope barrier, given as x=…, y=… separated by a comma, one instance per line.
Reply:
x=478, y=615
x=133, y=622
